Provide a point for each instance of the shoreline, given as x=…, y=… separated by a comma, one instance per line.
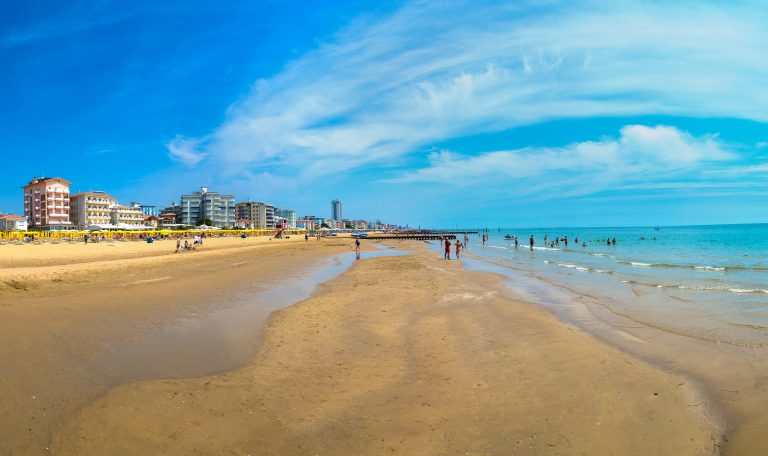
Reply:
x=126, y=399
x=730, y=378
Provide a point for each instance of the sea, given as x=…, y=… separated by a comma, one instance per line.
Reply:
x=704, y=282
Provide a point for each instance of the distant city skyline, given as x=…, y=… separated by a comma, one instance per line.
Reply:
x=437, y=114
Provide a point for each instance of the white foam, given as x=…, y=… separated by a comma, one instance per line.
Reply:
x=709, y=268
x=642, y=265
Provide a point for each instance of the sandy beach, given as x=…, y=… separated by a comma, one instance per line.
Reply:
x=70, y=331
x=398, y=355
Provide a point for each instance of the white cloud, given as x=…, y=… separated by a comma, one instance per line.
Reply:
x=433, y=71
x=185, y=150
x=584, y=167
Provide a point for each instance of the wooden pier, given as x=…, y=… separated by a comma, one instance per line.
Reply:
x=409, y=237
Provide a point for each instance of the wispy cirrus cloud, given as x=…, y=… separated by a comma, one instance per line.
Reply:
x=387, y=87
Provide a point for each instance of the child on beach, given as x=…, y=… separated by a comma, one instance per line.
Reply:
x=178, y=245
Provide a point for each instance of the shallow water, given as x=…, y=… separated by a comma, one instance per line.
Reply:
x=220, y=338
x=691, y=302
x=706, y=282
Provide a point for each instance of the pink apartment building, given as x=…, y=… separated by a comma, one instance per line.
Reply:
x=46, y=203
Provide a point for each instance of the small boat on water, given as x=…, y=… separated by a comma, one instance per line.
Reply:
x=507, y=237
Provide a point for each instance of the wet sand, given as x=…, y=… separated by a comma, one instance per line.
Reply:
x=68, y=333
x=409, y=355
x=733, y=378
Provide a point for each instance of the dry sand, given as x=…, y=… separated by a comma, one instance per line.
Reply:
x=401, y=355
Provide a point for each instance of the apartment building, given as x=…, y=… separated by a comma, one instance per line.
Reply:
x=219, y=208
x=289, y=216
x=46, y=203
x=255, y=215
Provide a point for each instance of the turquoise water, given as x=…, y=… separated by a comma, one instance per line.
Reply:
x=709, y=282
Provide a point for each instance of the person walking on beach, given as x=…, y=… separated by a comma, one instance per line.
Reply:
x=306, y=237
x=178, y=245
x=458, y=249
x=357, y=245
x=447, y=249
x=85, y=238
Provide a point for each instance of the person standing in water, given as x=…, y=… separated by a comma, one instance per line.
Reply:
x=516, y=242
x=466, y=239
x=458, y=249
x=531, y=241
x=447, y=249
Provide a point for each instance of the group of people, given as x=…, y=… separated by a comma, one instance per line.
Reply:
x=458, y=246
x=187, y=247
x=552, y=243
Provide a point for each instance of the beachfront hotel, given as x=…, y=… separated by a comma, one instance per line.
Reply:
x=336, y=210
x=205, y=204
x=255, y=215
x=100, y=210
x=128, y=217
x=46, y=203
x=91, y=209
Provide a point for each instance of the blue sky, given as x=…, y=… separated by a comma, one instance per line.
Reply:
x=526, y=113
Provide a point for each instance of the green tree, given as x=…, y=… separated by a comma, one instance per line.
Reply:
x=324, y=225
